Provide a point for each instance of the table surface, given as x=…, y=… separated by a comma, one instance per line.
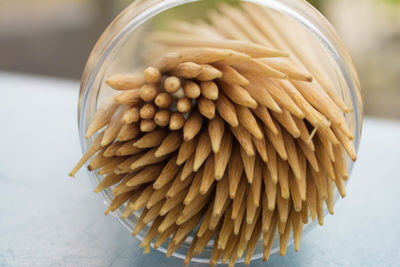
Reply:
x=49, y=219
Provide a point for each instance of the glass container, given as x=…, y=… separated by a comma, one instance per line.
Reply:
x=120, y=47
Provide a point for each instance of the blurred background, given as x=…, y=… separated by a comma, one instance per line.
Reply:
x=54, y=38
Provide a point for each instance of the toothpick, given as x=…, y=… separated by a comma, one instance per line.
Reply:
x=230, y=246
x=257, y=182
x=208, y=73
x=128, y=132
x=162, y=118
x=206, y=220
x=147, y=126
x=125, y=167
x=172, y=84
x=297, y=230
x=269, y=237
x=287, y=121
x=311, y=196
x=194, y=189
x=247, y=120
x=209, y=90
x=187, y=70
x=170, y=218
x=158, y=195
x=187, y=168
x=147, y=175
x=261, y=148
x=152, y=75
x=170, y=144
x=289, y=69
x=226, y=231
x=193, y=208
x=148, y=111
x=112, y=130
x=235, y=170
x=186, y=150
x=244, y=138
x=192, y=125
x=248, y=164
x=281, y=97
x=251, y=246
x=147, y=159
x=231, y=76
x=152, y=139
x=294, y=193
x=216, y=129
x=267, y=214
x=192, y=89
x=96, y=146
x=140, y=224
x=262, y=96
x=186, y=228
x=304, y=134
x=131, y=115
x=320, y=210
x=165, y=235
x=203, y=149
x=272, y=162
x=107, y=181
x=172, y=203
x=208, y=175
x=293, y=158
x=346, y=143
x=164, y=100
x=252, y=211
x=238, y=94
x=227, y=110
x=320, y=183
x=177, y=121
x=148, y=92
x=256, y=67
x=283, y=207
x=206, y=107
x=263, y=114
x=178, y=185
x=277, y=142
x=238, y=199
x=221, y=196
x=152, y=233
x=284, y=237
x=253, y=50
x=128, y=149
x=270, y=189
x=330, y=201
x=324, y=159
x=223, y=156
x=237, y=223
x=98, y=161
x=172, y=247
x=130, y=97
x=184, y=105
x=109, y=167
x=153, y=212
x=250, y=226
x=126, y=81
x=168, y=62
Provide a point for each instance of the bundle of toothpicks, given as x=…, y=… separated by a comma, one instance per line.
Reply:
x=231, y=134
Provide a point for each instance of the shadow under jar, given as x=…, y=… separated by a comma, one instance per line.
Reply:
x=290, y=26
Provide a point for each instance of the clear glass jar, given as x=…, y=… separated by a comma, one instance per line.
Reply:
x=119, y=49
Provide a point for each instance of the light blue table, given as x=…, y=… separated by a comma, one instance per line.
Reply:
x=49, y=219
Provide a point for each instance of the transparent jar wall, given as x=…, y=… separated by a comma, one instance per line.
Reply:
x=121, y=49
